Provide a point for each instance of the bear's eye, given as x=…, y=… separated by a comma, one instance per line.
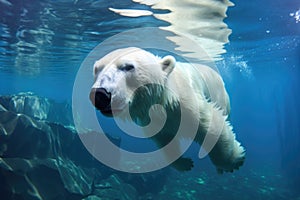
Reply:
x=127, y=67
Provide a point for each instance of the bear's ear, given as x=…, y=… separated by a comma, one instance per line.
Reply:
x=98, y=66
x=168, y=64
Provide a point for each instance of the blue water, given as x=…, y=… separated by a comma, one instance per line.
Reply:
x=43, y=44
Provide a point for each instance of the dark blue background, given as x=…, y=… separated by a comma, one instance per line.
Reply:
x=261, y=69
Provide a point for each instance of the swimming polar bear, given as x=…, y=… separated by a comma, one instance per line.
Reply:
x=136, y=79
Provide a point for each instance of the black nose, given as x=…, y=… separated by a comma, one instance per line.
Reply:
x=100, y=98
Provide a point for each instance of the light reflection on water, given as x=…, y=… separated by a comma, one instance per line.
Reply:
x=35, y=35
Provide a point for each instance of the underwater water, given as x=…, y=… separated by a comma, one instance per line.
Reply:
x=42, y=46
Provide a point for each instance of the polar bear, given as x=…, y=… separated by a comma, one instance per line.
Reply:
x=137, y=79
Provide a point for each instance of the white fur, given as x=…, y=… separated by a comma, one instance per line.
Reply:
x=210, y=107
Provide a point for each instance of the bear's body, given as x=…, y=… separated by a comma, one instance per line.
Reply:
x=137, y=79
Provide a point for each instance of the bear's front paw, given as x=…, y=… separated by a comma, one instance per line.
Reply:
x=183, y=164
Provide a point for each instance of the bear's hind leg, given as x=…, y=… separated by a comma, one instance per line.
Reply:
x=224, y=150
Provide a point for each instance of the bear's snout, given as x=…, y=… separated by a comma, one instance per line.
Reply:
x=101, y=99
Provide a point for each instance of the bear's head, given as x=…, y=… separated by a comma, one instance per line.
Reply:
x=129, y=77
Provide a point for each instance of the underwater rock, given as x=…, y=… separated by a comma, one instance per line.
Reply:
x=40, y=159
x=93, y=197
x=44, y=179
x=115, y=188
x=141, y=182
x=24, y=137
x=43, y=160
x=20, y=136
x=38, y=108
x=2, y=108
